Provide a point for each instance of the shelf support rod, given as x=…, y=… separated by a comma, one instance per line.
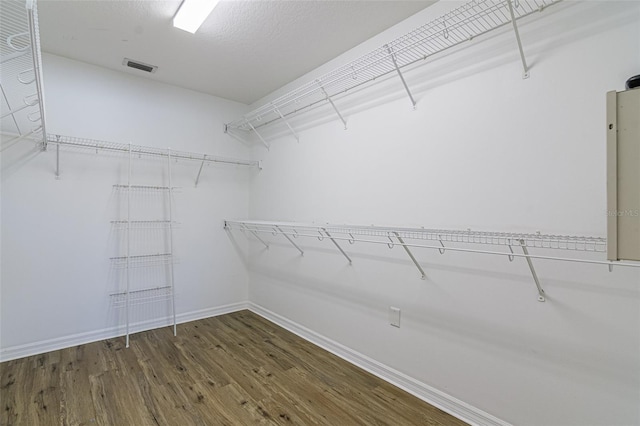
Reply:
x=255, y=234
x=525, y=72
x=332, y=104
x=58, y=158
x=171, y=274
x=290, y=240
x=36, y=69
x=258, y=134
x=337, y=245
x=415, y=262
x=200, y=171
x=126, y=312
x=295, y=135
x=541, y=297
x=395, y=64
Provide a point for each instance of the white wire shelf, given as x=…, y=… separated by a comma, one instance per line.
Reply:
x=348, y=232
x=462, y=24
x=142, y=224
x=141, y=150
x=142, y=296
x=443, y=241
x=145, y=187
x=23, y=114
x=157, y=259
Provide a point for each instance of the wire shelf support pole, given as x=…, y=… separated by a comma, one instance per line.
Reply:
x=264, y=142
x=290, y=240
x=541, y=295
x=525, y=68
x=332, y=104
x=255, y=234
x=295, y=135
x=58, y=161
x=404, y=83
x=337, y=245
x=37, y=60
x=413, y=259
x=171, y=275
x=199, y=170
x=127, y=301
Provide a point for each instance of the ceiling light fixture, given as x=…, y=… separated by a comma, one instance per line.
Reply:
x=192, y=14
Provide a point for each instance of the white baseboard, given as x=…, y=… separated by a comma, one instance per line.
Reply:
x=20, y=351
x=439, y=399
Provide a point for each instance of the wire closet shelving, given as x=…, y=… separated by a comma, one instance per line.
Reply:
x=460, y=25
x=127, y=261
x=435, y=239
x=140, y=150
x=23, y=115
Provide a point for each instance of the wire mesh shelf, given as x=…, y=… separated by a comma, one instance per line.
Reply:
x=462, y=24
x=410, y=238
x=546, y=241
x=142, y=296
x=142, y=224
x=141, y=150
x=21, y=73
x=158, y=259
x=145, y=187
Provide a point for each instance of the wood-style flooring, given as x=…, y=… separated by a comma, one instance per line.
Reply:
x=235, y=369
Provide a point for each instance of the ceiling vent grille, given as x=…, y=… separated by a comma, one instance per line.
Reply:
x=139, y=65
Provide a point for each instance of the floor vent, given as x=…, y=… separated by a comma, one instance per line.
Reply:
x=139, y=65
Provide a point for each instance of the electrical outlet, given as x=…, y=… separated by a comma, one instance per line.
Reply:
x=394, y=316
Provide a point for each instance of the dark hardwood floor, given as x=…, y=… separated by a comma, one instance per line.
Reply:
x=234, y=369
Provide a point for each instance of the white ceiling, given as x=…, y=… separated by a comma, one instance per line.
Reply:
x=243, y=51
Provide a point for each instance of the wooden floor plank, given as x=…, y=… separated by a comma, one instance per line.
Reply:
x=227, y=370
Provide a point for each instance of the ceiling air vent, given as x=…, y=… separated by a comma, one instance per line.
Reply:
x=139, y=65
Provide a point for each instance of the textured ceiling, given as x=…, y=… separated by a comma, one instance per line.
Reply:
x=244, y=50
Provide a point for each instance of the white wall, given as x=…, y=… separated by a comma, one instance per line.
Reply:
x=486, y=150
x=56, y=234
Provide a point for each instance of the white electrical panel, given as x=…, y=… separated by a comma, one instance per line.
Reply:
x=623, y=175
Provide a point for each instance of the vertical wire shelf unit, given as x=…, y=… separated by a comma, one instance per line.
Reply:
x=129, y=297
x=442, y=240
x=463, y=24
x=23, y=114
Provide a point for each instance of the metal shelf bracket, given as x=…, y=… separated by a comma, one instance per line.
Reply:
x=200, y=170
x=395, y=64
x=295, y=135
x=541, y=295
x=332, y=104
x=290, y=240
x=264, y=142
x=525, y=68
x=255, y=234
x=58, y=157
x=337, y=245
x=413, y=259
